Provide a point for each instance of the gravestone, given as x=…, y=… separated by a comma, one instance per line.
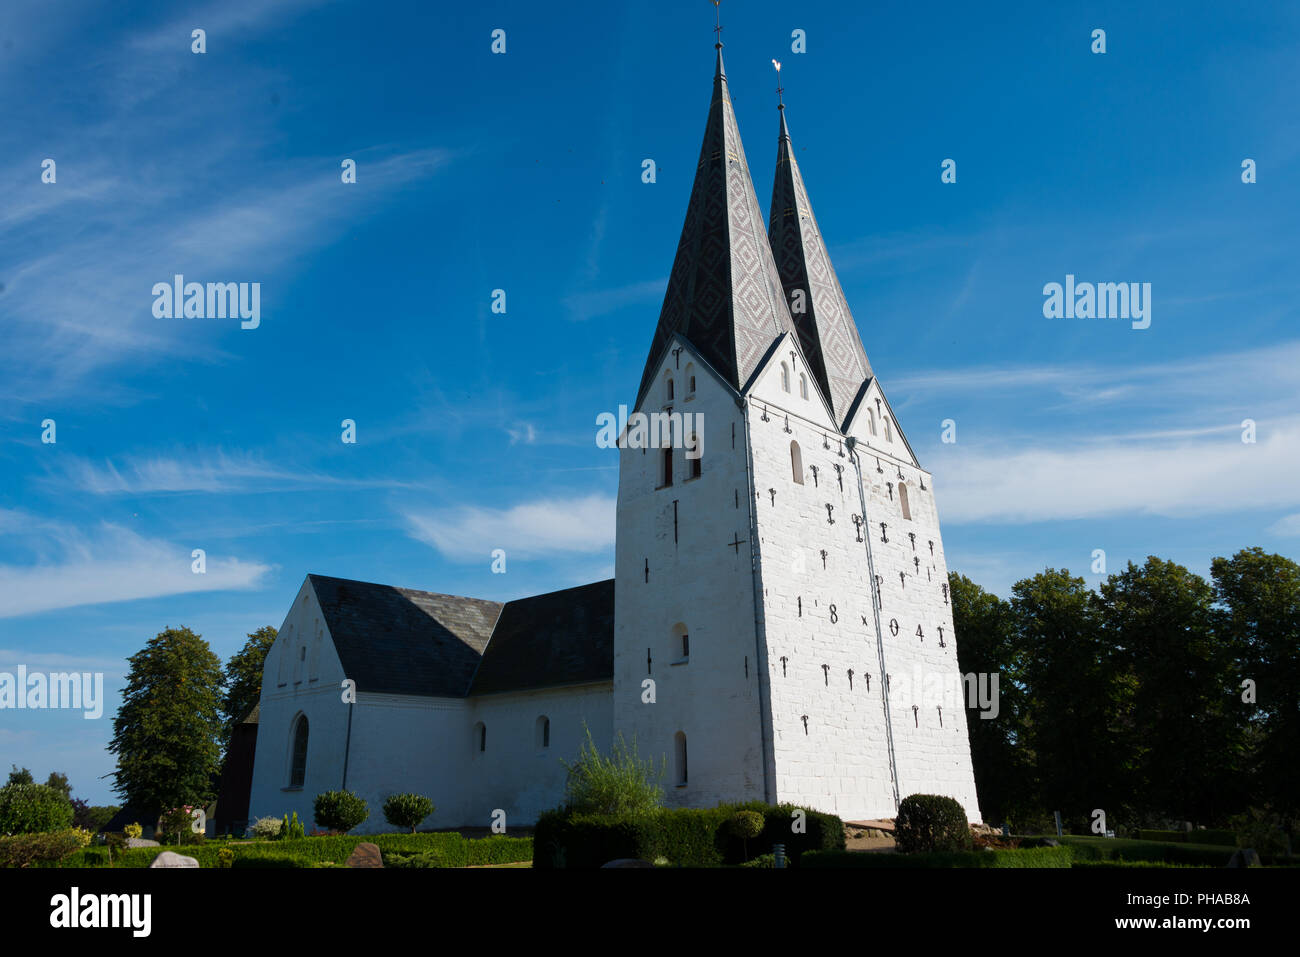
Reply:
x=140, y=842
x=365, y=854
x=172, y=859
x=1244, y=857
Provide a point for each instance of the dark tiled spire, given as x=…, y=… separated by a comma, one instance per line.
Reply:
x=724, y=293
x=827, y=332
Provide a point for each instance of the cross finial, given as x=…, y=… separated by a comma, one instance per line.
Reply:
x=780, y=101
x=717, y=19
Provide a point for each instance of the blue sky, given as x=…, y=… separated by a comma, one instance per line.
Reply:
x=522, y=172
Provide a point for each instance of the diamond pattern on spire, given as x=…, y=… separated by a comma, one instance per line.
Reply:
x=827, y=331
x=724, y=292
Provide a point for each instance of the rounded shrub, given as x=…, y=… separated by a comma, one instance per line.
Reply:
x=930, y=822
x=340, y=810
x=33, y=809
x=266, y=828
x=745, y=825
x=407, y=810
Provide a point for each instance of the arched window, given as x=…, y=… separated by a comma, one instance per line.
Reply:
x=681, y=642
x=666, y=467
x=902, y=500
x=796, y=462
x=543, y=732
x=871, y=421
x=803, y=386
x=480, y=738
x=696, y=460
x=690, y=378
x=785, y=377
x=679, y=741
x=298, y=761
x=668, y=388
x=889, y=436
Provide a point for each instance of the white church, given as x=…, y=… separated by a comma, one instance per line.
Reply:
x=780, y=604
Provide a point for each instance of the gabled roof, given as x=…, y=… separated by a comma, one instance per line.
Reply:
x=402, y=641
x=724, y=292
x=827, y=331
x=565, y=637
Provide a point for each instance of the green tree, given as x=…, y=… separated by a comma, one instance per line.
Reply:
x=1177, y=722
x=20, y=776
x=620, y=784
x=986, y=648
x=241, y=681
x=166, y=734
x=1071, y=695
x=33, y=809
x=407, y=810
x=60, y=783
x=1259, y=598
x=339, y=810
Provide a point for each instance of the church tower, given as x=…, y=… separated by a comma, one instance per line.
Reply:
x=782, y=626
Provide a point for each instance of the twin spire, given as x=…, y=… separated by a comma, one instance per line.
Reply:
x=733, y=291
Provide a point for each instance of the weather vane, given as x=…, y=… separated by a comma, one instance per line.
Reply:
x=717, y=19
x=779, y=100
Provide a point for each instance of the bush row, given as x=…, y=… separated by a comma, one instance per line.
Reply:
x=686, y=837
x=25, y=850
x=1127, y=849
x=1227, y=838
x=440, y=850
x=993, y=857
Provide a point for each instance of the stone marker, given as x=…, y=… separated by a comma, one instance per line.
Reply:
x=140, y=842
x=172, y=859
x=365, y=854
x=628, y=862
x=1244, y=857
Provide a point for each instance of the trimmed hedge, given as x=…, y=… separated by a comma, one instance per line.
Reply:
x=1225, y=838
x=499, y=849
x=1006, y=857
x=931, y=823
x=444, y=849
x=686, y=837
x=1087, y=848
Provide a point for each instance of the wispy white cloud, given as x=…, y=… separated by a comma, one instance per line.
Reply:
x=523, y=432
x=212, y=471
x=1182, y=477
x=114, y=565
x=221, y=20
x=1287, y=525
x=1205, y=377
x=581, y=306
x=529, y=530
x=54, y=661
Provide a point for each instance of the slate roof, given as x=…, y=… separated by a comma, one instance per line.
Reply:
x=403, y=641
x=557, y=639
x=724, y=292
x=827, y=331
